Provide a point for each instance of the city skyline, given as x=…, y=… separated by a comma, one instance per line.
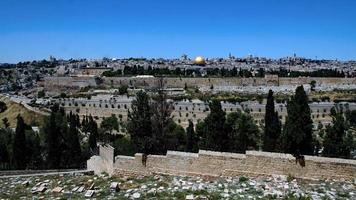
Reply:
x=156, y=29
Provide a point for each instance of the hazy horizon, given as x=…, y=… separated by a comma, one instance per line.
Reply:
x=34, y=30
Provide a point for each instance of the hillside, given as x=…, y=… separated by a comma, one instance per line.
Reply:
x=13, y=109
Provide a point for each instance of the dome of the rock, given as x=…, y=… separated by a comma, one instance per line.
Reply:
x=199, y=60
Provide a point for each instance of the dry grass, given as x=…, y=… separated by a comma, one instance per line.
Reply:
x=14, y=109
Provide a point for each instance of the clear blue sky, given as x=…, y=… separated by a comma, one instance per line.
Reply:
x=35, y=29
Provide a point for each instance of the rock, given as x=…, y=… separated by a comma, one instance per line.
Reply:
x=202, y=197
x=25, y=183
x=189, y=197
x=144, y=187
x=89, y=193
x=57, y=189
x=114, y=186
x=41, y=189
x=225, y=195
x=136, y=195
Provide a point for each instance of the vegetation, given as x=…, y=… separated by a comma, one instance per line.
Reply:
x=14, y=109
x=339, y=140
x=273, y=125
x=237, y=132
x=297, y=133
x=3, y=106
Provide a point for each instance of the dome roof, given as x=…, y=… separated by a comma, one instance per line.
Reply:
x=199, y=60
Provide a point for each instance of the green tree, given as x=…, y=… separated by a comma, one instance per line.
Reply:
x=161, y=118
x=139, y=123
x=297, y=133
x=93, y=133
x=123, y=89
x=6, y=123
x=175, y=137
x=212, y=133
x=242, y=131
x=110, y=124
x=41, y=94
x=19, y=150
x=312, y=85
x=124, y=146
x=192, y=140
x=53, y=129
x=34, y=150
x=272, y=130
x=338, y=140
x=3, y=106
x=72, y=152
x=5, y=143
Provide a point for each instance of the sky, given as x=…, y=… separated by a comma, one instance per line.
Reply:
x=36, y=29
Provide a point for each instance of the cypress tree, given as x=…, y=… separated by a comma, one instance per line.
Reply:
x=139, y=123
x=93, y=129
x=214, y=135
x=272, y=129
x=161, y=118
x=297, y=133
x=19, y=150
x=245, y=134
x=192, y=143
x=73, y=150
x=4, y=150
x=53, y=129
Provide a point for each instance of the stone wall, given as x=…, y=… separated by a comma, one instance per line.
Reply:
x=103, y=162
x=214, y=164
x=176, y=82
x=228, y=81
x=62, y=83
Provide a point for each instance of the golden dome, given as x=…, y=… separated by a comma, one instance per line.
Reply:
x=199, y=60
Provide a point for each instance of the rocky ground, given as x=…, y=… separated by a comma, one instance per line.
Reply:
x=79, y=186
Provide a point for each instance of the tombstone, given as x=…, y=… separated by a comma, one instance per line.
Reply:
x=89, y=193
x=114, y=187
x=57, y=189
x=80, y=189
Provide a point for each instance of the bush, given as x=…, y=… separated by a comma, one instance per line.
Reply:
x=3, y=106
x=243, y=179
x=123, y=146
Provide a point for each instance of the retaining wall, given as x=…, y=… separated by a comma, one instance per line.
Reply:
x=214, y=164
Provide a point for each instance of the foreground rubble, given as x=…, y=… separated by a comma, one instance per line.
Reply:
x=79, y=186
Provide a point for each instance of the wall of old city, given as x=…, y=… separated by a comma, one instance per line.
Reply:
x=65, y=82
x=72, y=82
x=228, y=81
x=213, y=164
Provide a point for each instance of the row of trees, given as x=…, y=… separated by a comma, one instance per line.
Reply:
x=59, y=144
x=297, y=134
x=153, y=131
x=65, y=142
